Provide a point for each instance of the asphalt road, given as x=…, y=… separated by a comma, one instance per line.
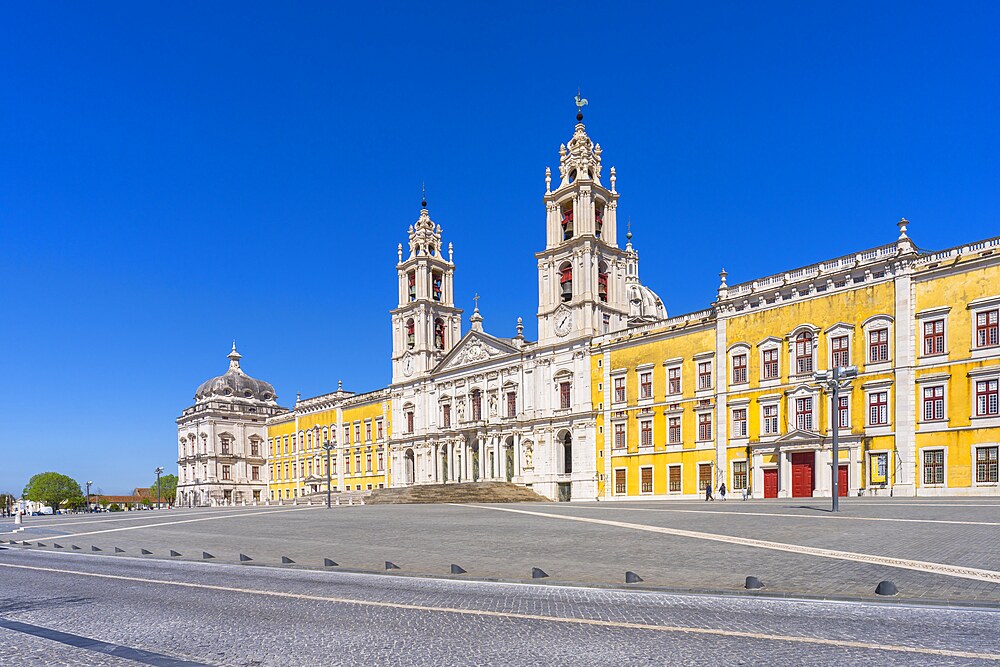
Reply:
x=96, y=609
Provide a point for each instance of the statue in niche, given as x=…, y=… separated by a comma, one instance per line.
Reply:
x=460, y=409
x=493, y=404
x=527, y=456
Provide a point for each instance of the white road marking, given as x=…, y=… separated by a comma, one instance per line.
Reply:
x=532, y=617
x=173, y=523
x=56, y=523
x=796, y=516
x=889, y=561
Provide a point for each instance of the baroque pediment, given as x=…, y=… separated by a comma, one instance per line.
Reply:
x=475, y=347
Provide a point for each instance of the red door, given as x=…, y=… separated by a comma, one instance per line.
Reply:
x=802, y=474
x=770, y=482
x=842, y=480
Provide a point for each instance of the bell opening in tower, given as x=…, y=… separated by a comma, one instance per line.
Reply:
x=439, y=334
x=411, y=281
x=566, y=282
x=436, y=285
x=410, y=342
x=602, y=282
x=598, y=221
x=567, y=223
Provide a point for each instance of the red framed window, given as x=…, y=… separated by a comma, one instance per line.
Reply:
x=646, y=385
x=409, y=422
x=934, y=466
x=446, y=415
x=844, y=411
x=378, y=429
x=878, y=345
x=357, y=462
x=602, y=285
x=986, y=465
x=705, y=426
x=674, y=381
x=227, y=472
x=254, y=448
x=477, y=405
x=740, y=423
x=619, y=390
x=804, y=413
x=705, y=375
x=368, y=431
x=368, y=462
x=619, y=436
x=934, y=337
x=987, y=398
x=769, y=365
x=934, y=403
x=564, y=395
x=987, y=328
x=255, y=473
x=739, y=368
x=674, y=430
x=646, y=433
x=381, y=461
x=511, y=404
x=878, y=408
x=841, y=351
x=804, y=353
x=357, y=433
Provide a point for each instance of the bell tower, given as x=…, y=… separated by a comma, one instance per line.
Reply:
x=581, y=272
x=425, y=323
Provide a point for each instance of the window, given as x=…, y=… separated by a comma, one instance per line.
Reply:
x=255, y=473
x=286, y=472
x=674, y=430
x=705, y=426
x=381, y=461
x=347, y=434
x=740, y=423
x=646, y=433
x=357, y=462
x=739, y=475
x=477, y=405
x=705, y=375
x=598, y=220
x=769, y=365
x=804, y=413
x=254, y=448
x=436, y=285
x=566, y=282
x=770, y=419
x=226, y=446
x=511, y=404
x=446, y=415
x=804, y=353
x=674, y=380
x=934, y=337
x=368, y=462
x=411, y=285
x=409, y=422
x=410, y=335
x=333, y=465
x=564, y=395
x=878, y=408
x=619, y=436
x=347, y=463
x=674, y=479
x=378, y=429
x=934, y=403
x=619, y=390
x=934, y=466
x=619, y=481
x=986, y=465
x=739, y=368
x=368, y=431
x=645, y=480
x=843, y=412
x=602, y=282
x=878, y=346
x=438, y=334
x=227, y=472
x=646, y=385
x=987, y=328
x=567, y=223
x=704, y=476
x=841, y=351
x=357, y=433
x=987, y=404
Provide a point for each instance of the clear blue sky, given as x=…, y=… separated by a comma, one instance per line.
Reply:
x=177, y=175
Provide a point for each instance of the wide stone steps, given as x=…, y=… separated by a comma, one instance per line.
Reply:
x=466, y=492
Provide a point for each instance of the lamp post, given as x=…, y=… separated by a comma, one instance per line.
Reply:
x=89, y=509
x=832, y=380
x=328, y=448
x=158, y=471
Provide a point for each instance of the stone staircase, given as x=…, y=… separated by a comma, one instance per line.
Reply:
x=466, y=492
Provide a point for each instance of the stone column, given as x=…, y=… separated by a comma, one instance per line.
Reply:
x=451, y=462
x=481, y=446
x=517, y=456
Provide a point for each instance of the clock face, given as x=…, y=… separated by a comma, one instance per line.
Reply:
x=408, y=366
x=564, y=322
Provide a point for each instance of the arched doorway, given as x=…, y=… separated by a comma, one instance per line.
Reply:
x=408, y=467
x=566, y=442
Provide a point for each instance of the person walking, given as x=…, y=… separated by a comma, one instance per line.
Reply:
x=708, y=493
x=722, y=491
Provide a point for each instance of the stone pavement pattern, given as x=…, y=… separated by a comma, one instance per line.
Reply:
x=312, y=618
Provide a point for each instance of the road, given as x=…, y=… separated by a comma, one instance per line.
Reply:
x=121, y=610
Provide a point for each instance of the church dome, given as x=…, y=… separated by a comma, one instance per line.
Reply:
x=643, y=304
x=234, y=383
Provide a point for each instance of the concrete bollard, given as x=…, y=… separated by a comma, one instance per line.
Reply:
x=145, y=552
x=295, y=502
x=389, y=565
x=17, y=519
x=205, y=555
x=244, y=558
x=285, y=560
x=457, y=569
x=338, y=502
x=538, y=573
x=174, y=553
x=57, y=545
x=632, y=578
x=329, y=563
x=886, y=588
x=119, y=550
x=753, y=584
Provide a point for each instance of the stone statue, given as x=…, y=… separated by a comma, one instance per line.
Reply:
x=460, y=408
x=527, y=456
x=493, y=404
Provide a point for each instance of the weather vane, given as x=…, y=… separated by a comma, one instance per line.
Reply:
x=476, y=299
x=580, y=103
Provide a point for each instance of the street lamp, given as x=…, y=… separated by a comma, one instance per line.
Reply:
x=834, y=380
x=328, y=447
x=158, y=471
x=88, y=495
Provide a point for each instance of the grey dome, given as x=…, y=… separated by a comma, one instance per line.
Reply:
x=643, y=304
x=234, y=383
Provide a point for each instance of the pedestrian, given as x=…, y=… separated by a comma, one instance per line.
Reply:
x=722, y=491
x=745, y=493
x=708, y=493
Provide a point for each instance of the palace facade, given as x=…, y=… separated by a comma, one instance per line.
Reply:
x=616, y=400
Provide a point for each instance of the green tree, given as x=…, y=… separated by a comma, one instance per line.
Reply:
x=75, y=503
x=51, y=488
x=168, y=489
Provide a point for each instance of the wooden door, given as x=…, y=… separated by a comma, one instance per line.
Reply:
x=842, y=480
x=802, y=474
x=770, y=482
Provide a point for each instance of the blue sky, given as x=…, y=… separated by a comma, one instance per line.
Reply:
x=177, y=175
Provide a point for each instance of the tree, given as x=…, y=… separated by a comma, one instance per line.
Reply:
x=75, y=503
x=51, y=488
x=168, y=489
x=7, y=502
